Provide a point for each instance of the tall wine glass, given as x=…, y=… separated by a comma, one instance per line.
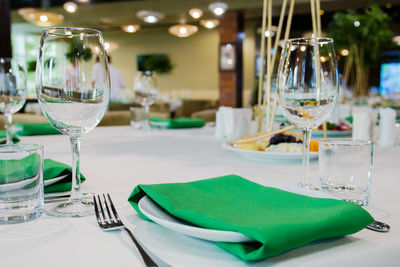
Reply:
x=308, y=87
x=12, y=91
x=71, y=97
x=146, y=91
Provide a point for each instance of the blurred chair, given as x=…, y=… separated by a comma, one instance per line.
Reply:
x=116, y=118
x=189, y=106
x=207, y=115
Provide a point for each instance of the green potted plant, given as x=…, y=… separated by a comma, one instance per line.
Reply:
x=363, y=34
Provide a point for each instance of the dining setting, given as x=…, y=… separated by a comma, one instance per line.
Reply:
x=304, y=174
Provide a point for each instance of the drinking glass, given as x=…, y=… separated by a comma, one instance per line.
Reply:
x=308, y=87
x=71, y=100
x=12, y=91
x=146, y=92
x=345, y=168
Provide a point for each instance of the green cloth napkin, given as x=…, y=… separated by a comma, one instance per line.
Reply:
x=3, y=136
x=26, y=129
x=53, y=169
x=12, y=170
x=276, y=219
x=177, y=123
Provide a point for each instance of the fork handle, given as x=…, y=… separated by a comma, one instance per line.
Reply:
x=145, y=257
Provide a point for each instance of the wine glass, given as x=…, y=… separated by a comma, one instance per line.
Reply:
x=146, y=92
x=12, y=91
x=71, y=99
x=308, y=87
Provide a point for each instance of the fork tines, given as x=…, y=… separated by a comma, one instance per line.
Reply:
x=106, y=217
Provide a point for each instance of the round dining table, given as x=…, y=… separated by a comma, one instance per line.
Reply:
x=116, y=159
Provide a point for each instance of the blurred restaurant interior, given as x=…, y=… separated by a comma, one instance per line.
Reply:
x=190, y=77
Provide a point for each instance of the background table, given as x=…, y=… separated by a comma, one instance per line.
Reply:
x=116, y=159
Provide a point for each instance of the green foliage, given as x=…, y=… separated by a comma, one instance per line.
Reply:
x=372, y=33
x=31, y=66
x=77, y=51
x=158, y=63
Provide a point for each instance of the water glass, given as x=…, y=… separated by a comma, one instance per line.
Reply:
x=345, y=168
x=139, y=118
x=21, y=183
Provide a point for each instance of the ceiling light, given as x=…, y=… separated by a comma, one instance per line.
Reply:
x=130, y=28
x=83, y=1
x=396, y=39
x=209, y=23
x=268, y=32
x=150, y=16
x=356, y=23
x=110, y=46
x=40, y=18
x=195, y=13
x=183, y=30
x=321, y=12
x=218, y=8
x=344, y=52
x=70, y=7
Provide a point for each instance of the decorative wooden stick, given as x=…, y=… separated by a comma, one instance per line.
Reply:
x=267, y=95
x=261, y=69
x=260, y=136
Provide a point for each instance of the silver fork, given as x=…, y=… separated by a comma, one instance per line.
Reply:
x=113, y=222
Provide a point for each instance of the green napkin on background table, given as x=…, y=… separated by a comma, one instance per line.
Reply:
x=177, y=123
x=276, y=219
x=13, y=169
x=3, y=138
x=26, y=129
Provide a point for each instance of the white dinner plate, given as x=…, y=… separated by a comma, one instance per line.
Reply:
x=21, y=184
x=264, y=156
x=54, y=180
x=160, y=216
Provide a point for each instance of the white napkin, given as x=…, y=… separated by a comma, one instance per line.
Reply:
x=364, y=119
x=232, y=123
x=387, y=130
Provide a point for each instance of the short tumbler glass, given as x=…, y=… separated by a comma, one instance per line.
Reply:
x=139, y=118
x=345, y=168
x=21, y=183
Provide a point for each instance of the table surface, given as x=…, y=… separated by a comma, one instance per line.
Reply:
x=116, y=159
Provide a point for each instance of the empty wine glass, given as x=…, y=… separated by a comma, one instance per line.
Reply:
x=12, y=91
x=72, y=98
x=307, y=87
x=146, y=91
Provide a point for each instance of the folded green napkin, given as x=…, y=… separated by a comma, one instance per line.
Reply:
x=276, y=219
x=53, y=169
x=3, y=136
x=177, y=123
x=26, y=129
x=12, y=170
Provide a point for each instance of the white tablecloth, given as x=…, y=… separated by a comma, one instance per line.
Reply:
x=115, y=159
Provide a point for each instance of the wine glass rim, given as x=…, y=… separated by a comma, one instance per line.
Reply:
x=68, y=31
x=309, y=40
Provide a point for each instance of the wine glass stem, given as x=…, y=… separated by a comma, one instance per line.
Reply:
x=9, y=138
x=76, y=176
x=306, y=182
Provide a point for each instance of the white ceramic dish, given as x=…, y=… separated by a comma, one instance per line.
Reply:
x=21, y=184
x=263, y=156
x=158, y=215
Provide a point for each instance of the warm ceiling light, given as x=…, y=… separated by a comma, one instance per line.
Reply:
x=195, y=13
x=110, y=46
x=183, y=30
x=268, y=32
x=40, y=18
x=321, y=12
x=218, y=8
x=83, y=1
x=150, y=16
x=70, y=7
x=323, y=59
x=388, y=5
x=344, y=52
x=396, y=39
x=209, y=23
x=130, y=28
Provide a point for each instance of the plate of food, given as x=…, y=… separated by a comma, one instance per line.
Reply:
x=281, y=146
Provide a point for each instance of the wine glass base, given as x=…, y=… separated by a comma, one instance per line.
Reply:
x=73, y=208
x=308, y=186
